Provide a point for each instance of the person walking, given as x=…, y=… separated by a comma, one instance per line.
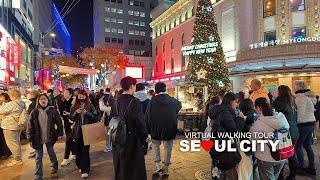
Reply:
x=5, y=152
x=258, y=90
x=44, y=127
x=50, y=96
x=305, y=101
x=161, y=118
x=33, y=96
x=82, y=112
x=267, y=123
x=10, y=113
x=128, y=160
x=69, y=144
x=285, y=104
x=142, y=96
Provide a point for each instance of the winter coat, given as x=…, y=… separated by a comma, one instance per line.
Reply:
x=51, y=100
x=143, y=98
x=129, y=160
x=267, y=124
x=251, y=116
x=161, y=117
x=305, y=101
x=227, y=116
x=89, y=118
x=10, y=114
x=34, y=131
x=290, y=113
x=262, y=92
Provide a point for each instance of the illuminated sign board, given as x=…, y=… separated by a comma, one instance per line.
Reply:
x=134, y=71
x=283, y=42
x=199, y=49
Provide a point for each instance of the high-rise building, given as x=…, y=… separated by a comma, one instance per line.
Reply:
x=124, y=23
x=16, y=44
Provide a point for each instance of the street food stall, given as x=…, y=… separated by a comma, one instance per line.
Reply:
x=192, y=97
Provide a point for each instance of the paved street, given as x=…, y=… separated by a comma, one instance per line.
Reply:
x=185, y=165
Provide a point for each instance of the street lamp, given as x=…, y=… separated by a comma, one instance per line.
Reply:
x=53, y=35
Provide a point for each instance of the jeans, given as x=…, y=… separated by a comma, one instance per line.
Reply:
x=269, y=170
x=69, y=146
x=13, y=141
x=82, y=156
x=305, y=141
x=167, y=151
x=53, y=158
x=108, y=140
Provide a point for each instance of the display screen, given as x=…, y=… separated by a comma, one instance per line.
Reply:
x=135, y=72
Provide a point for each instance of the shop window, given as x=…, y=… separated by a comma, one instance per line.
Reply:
x=269, y=8
x=298, y=32
x=297, y=5
x=270, y=36
x=172, y=44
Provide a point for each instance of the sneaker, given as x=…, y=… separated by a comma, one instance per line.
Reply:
x=54, y=171
x=72, y=157
x=14, y=163
x=65, y=162
x=157, y=169
x=84, y=175
x=108, y=149
x=165, y=171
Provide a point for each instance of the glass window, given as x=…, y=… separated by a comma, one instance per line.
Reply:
x=136, y=13
x=172, y=65
x=183, y=59
x=137, y=42
x=30, y=14
x=130, y=2
x=114, y=30
x=113, y=0
x=107, y=39
x=136, y=23
x=113, y=20
x=131, y=52
x=131, y=42
x=269, y=8
x=141, y=4
x=107, y=9
x=120, y=21
x=142, y=43
x=142, y=14
x=182, y=39
x=130, y=12
x=163, y=47
x=142, y=33
x=120, y=31
x=119, y=1
x=137, y=33
x=131, y=32
x=270, y=36
x=120, y=41
x=107, y=29
x=164, y=65
x=114, y=40
x=143, y=52
x=107, y=19
x=298, y=32
x=130, y=22
x=120, y=11
x=136, y=3
x=142, y=24
x=137, y=52
x=297, y=5
x=171, y=44
x=113, y=10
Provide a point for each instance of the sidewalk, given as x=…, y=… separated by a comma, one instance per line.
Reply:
x=185, y=166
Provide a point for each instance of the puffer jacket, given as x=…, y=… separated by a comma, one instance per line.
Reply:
x=305, y=101
x=267, y=124
x=262, y=92
x=10, y=114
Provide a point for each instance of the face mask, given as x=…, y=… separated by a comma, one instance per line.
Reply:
x=82, y=100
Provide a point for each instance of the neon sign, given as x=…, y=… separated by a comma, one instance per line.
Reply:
x=283, y=42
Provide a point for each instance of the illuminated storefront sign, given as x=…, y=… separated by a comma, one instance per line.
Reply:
x=199, y=49
x=284, y=41
x=134, y=71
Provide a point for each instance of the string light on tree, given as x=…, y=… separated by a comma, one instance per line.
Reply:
x=207, y=66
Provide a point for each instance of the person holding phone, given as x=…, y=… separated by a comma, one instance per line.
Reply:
x=83, y=112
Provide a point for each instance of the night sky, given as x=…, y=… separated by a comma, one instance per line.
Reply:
x=79, y=23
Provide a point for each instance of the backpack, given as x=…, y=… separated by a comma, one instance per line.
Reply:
x=117, y=127
x=284, y=149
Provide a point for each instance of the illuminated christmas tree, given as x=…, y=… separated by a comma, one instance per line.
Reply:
x=207, y=63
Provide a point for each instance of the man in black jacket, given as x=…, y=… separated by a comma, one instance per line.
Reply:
x=161, y=118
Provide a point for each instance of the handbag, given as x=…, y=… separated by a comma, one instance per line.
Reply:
x=93, y=133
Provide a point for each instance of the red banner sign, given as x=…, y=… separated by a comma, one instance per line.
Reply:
x=16, y=57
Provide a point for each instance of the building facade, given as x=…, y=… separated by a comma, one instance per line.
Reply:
x=16, y=23
x=273, y=40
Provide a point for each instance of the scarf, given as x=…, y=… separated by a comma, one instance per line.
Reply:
x=44, y=126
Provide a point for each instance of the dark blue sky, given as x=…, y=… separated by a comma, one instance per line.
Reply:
x=79, y=23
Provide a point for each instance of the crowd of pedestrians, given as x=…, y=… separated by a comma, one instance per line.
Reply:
x=152, y=117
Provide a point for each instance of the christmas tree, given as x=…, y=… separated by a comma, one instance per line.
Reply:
x=207, y=63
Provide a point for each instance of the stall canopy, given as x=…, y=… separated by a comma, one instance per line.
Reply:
x=74, y=70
